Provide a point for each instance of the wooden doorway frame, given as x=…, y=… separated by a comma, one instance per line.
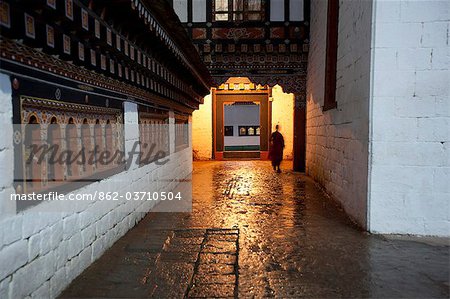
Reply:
x=220, y=97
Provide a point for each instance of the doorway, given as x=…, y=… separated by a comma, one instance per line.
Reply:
x=241, y=123
x=242, y=129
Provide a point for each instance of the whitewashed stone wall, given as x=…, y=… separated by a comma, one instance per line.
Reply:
x=410, y=154
x=42, y=249
x=337, y=139
x=6, y=147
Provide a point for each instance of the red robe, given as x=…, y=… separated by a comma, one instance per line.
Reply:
x=276, y=148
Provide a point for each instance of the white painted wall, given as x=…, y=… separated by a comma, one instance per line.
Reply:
x=241, y=115
x=410, y=156
x=6, y=149
x=337, y=139
x=400, y=164
x=42, y=249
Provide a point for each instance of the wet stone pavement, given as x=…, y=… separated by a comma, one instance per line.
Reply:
x=254, y=233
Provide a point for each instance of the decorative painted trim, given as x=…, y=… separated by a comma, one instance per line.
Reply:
x=81, y=51
x=30, y=30
x=65, y=106
x=84, y=19
x=5, y=14
x=97, y=28
x=34, y=59
x=109, y=36
x=50, y=33
x=51, y=3
x=66, y=44
x=68, y=9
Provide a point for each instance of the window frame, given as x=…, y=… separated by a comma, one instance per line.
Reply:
x=231, y=12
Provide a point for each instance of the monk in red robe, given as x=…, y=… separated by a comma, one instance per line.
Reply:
x=276, y=149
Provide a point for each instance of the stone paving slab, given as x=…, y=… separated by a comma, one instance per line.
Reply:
x=213, y=246
x=179, y=256
x=214, y=279
x=218, y=258
x=215, y=269
x=254, y=233
x=212, y=291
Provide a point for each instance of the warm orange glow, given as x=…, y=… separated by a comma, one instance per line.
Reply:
x=282, y=114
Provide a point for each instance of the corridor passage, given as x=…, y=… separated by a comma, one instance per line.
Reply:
x=256, y=233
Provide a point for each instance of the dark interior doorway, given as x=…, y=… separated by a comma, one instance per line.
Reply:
x=251, y=134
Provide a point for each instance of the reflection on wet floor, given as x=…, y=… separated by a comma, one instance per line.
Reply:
x=256, y=233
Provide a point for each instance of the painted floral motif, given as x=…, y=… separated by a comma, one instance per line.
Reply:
x=237, y=33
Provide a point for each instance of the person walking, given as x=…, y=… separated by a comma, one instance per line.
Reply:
x=276, y=149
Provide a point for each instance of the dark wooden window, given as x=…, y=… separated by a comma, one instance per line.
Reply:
x=238, y=10
x=331, y=55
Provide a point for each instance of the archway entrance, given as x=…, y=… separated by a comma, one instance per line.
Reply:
x=215, y=135
x=241, y=121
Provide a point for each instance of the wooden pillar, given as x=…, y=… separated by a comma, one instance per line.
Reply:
x=299, y=134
